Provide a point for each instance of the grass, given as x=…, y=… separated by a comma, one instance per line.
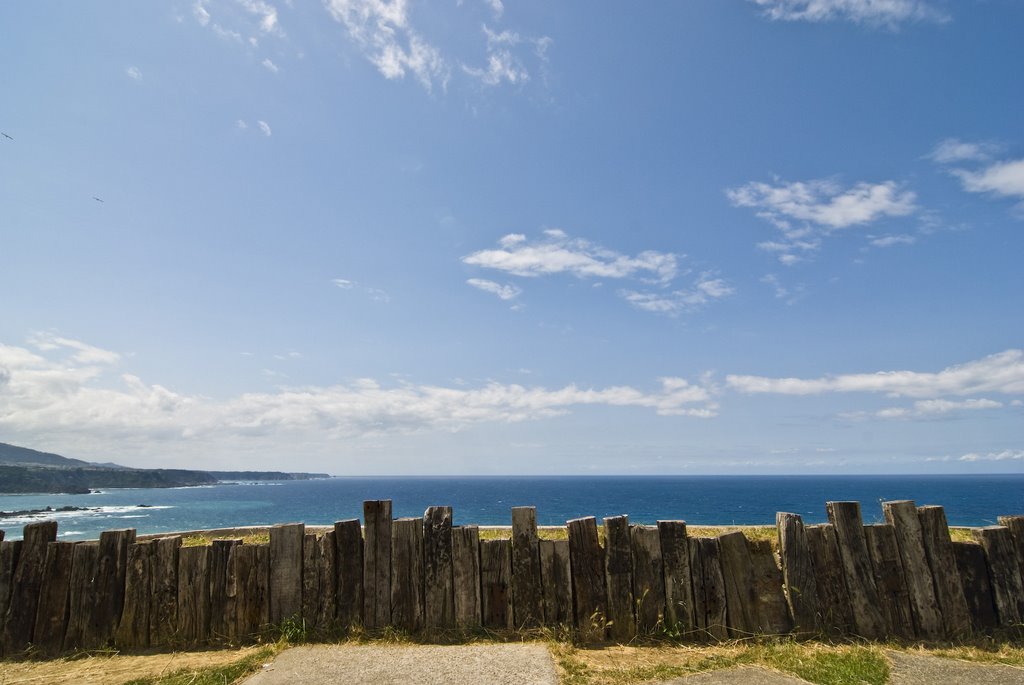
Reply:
x=825, y=664
x=203, y=540
x=214, y=675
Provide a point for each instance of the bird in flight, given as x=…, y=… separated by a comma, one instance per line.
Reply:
x=97, y=199
x=5, y=136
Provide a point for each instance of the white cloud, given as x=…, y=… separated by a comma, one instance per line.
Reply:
x=561, y=254
x=241, y=125
x=953, y=150
x=375, y=294
x=384, y=33
x=83, y=353
x=820, y=207
x=45, y=396
x=134, y=73
x=505, y=292
x=265, y=128
x=926, y=409
x=270, y=66
x=997, y=373
x=889, y=13
x=1005, y=455
x=1003, y=179
x=497, y=6
x=705, y=289
x=790, y=294
x=503, y=64
x=891, y=240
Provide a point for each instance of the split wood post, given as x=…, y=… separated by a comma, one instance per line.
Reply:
x=973, y=571
x=286, y=543
x=26, y=582
x=163, y=605
x=740, y=593
x=193, y=595
x=924, y=605
x=772, y=612
x=80, y=597
x=938, y=547
x=348, y=540
x=1016, y=526
x=250, y=568
x=496, y=583
x=857, y=569
x=590, y=608
x=133, y=628
x=1003, y=572
x=9, y=552
x=675, y=555
x=466, y=576
x=527, y=591
x=223, y=621
x=619, y=577
x=834, y=612
x=438, y=568
x=893, y=596
x=52, y=612
x=327, y=605
x=556, y=576
x=108, y=585
x=798, y=574
x=648, y=578
x=711, y=604
x=407, y=573
x=377, y=564
x=310, y=582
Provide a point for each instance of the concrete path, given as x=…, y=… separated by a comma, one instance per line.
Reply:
x=920, y=669
x=411, y=665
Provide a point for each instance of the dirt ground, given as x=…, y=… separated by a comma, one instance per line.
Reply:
x=113, y=670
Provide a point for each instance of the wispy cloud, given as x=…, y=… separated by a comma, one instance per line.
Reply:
x=997, y=178
x=45, y=394
x=82, y=353
x=925, y=409
x=887, y=13
x=375, y=294
x=998, y=373
x=557, y=253
x=953, y=150
x=384, y=33
x=264, y=128
x=133, y=73
x=705, y=289
x=270, y=66
x=503, y=61
x=1005, y=455
x=806, y=212
x=504, y=292
x=790, y=294
x=892, y=240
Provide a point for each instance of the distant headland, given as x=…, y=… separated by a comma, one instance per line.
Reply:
x=24, y=470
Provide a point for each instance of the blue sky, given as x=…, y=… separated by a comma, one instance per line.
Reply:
x=364, y=237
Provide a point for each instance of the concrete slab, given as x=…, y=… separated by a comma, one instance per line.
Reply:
x=512, y=664
x=920, y=669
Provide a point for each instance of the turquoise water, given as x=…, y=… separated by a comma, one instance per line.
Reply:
x=969, y=500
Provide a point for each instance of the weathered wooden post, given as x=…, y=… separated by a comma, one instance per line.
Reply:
x=798, y=572
x=286, y=549
x=407, y=573
x=857, y=569
x=556, y=575
x=80, y=597
x=675, y=554
x=223, y=621
x=834, y=612
x=619, y=578
x=648, y=577
x=438, y=568
x=311, y=590
x=893, y=596
x=924, y=605
x=772, y=612
x=496, y=583
x=163, y=603
x=466, y=575
x=133, y=628
x=590, y=609
x=348, y=597
x=377, y=564
x=52, y=612
x=740, y=592
x=193, y=594
x=26, y=582
x=970, y=563
x=327, y=606
x=250, y=567
x=1007, y=588
x=1015, y=524
x=709, y=601
x=938, y=547
x=527, y=592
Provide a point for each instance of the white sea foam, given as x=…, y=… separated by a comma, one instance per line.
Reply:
x=91, y=512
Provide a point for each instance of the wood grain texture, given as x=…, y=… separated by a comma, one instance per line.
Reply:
x=52, y=611
x=438, y=568
x=286, y=553
x=527, y=591
x=466, y=574
x=970, y=563
x=834, y=614
x=1003, y=573
x=893, y=596
x=619, y=579
x=586, y=557
x=857, y=570
x=938, y=547
x=740, y=593
x=407, y=593
x=348, y=595
x=377, y=563
x=772, y=612
x=924, y=604
x=496, y=583
x=675, y=556
x=556, y=574
x=799, y=578
x=26, y=581
x=648, y=578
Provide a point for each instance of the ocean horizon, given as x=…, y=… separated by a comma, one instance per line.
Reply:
x=969, y=500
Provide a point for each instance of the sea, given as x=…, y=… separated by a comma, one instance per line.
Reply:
x=969, y=500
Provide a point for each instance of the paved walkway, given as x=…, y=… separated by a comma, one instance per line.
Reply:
x=519, y=664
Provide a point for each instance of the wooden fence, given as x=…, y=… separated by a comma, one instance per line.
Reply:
x=904, y=578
